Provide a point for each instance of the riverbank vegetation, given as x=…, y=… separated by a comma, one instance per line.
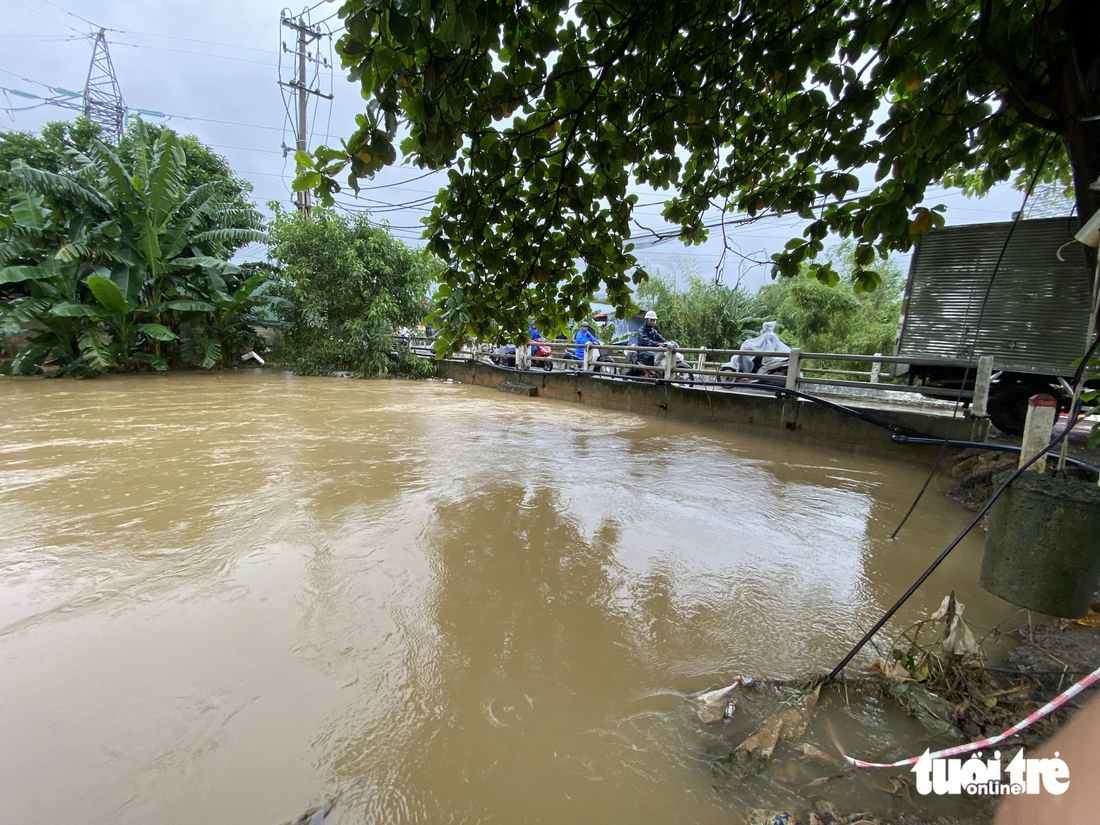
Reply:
x=116, y=258
x=346, y=285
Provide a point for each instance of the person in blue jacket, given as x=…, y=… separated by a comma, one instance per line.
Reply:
x=582, y=337
x=533, y=331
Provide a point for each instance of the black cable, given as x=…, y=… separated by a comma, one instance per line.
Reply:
x=1071, y=422
x=974, y=342
x=985, y=445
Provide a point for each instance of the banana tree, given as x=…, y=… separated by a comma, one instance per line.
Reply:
x=120, y=331
x=208, y=337
x=104, y=259
x=42, y=263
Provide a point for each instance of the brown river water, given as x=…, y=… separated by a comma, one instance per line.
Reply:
x=225, y=597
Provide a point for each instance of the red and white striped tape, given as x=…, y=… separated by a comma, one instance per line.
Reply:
x=1045, y=710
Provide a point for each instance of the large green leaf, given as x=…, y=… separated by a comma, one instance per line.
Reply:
x=233, y=235
x=107, y=293
x=211, y=352
x=188, y=306
x=130, y=280
x=99, y=350
x=55, y=185
x=163, y=179
x=71, y=309
x=155, y=361
x=28, y=210
x=206, y=263
x=28, y=359
x=158, y=332
x=16, y=274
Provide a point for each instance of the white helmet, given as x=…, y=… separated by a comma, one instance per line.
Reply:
x=651, y=314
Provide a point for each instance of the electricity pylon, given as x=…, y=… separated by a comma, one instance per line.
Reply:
x=102, y=96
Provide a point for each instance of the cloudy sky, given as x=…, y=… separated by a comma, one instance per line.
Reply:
x=214, y=67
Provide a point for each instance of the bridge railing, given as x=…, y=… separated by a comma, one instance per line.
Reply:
x=721, y=368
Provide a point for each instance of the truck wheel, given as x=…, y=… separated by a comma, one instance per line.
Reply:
x=1007, y=406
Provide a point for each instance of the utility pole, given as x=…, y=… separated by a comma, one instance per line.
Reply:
x=306, y=35
x=102, y=96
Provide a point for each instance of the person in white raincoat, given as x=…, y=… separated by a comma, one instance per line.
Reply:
x=767, y=341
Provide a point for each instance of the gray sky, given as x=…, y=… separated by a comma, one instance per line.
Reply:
x=214, y=66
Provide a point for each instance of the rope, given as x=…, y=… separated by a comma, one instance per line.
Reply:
x=1045, y=710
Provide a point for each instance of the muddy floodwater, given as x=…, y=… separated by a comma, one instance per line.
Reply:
x=225, y=597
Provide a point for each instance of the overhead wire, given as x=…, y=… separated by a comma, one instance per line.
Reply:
x=133, y=33
x=196, y=54
x=48, y=17
x=73, y=14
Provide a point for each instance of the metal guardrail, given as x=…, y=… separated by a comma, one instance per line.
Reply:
x=711, y=367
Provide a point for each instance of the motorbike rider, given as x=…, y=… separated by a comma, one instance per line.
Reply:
x=766, y=342
x=533, y=331
x=648, y=336
x=581, y=337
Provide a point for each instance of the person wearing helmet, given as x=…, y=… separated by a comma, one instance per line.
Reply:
x=533, y=331
x=581, y=337
x=648, y=336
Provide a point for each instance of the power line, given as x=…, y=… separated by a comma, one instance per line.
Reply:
x=167, y=115
x=197, y=54
x=133, y=33
x=41, y=38
x=51, y=19
x=225, y=122
x=71, y=14
x=245, y=148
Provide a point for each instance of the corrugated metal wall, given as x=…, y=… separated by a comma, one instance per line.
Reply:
x=1037, y=314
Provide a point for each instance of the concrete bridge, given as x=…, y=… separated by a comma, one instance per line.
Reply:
x=758, y=409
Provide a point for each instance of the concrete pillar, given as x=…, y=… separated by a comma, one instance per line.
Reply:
x=978, y=406
x=586, y=364
x=701, y=364
x=1041, y=410
x=876, y=370
x=794, y=366
x=670, y=360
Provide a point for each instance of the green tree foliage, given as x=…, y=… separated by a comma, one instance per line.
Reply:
x=107, y=262
x=822, y=318
x=705, y=314
x=348, y=284
x=546, y=112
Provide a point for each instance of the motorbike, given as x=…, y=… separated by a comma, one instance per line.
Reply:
x=599, y=362
x=542, y=350
x=504, y=356
x=771, y=369
x=657, y=369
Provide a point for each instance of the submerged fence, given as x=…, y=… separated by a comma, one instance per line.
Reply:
x=722, y=368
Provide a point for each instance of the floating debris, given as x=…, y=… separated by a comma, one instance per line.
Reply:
x=720, y=703
x=786, y=724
